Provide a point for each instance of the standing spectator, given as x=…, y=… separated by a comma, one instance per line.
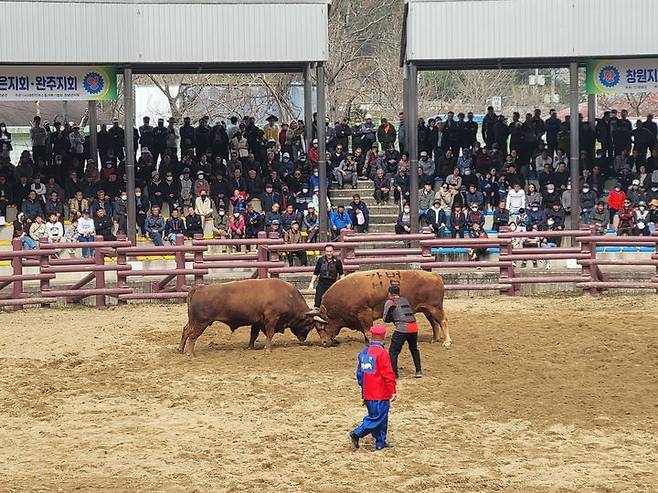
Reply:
x=117, y=139
x=174, y=226
x=146, y=134
x=5, y=144
x=386, y=134
x=616, y=199
x=359, y=214
x=368, y=134
x=155, y=226
x=205, y=208
x=401, y=183
x=488, y=125
x=39, y=136
x=328, y=270
x=142, y=206
x=120, y=213
x=587, y=200
x=237, y=226
x=77, y=144
x=6, y=196
x=87, y=232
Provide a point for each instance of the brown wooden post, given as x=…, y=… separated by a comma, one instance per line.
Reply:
x=590, y=248
x=346, y=252
x=44, y=263
x=198, y=259
x=274, y=255
x=180, y=264
x=99, y=259
x=122, y=275
x=656, y=235
x=17, y=270
x=263, y=272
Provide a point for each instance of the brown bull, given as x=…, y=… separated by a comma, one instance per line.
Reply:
x=267, y=305
x=357, y=300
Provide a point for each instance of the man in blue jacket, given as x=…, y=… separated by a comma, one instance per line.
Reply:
x=339, y=220
x=377, y=381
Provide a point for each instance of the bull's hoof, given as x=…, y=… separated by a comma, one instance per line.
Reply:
x=447, y=344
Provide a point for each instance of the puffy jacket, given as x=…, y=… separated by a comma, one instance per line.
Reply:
x=616, y=199
x=375, y=374
x=340, y=221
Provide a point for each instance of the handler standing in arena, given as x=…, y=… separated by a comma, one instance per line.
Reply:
x=375, y=376
x=327, y=271
x=398, y=310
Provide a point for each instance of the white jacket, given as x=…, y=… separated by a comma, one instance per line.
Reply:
x=516, y=200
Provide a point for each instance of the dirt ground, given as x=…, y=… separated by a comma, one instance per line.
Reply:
x=535, y=395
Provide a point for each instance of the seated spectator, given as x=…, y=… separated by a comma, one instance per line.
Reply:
x=220, y=223
x=26, y=241
x=311, y=224
x=454, y=180
x=6, y=194
x=38, y=229
x=626, y=224
x=489, y=189
x=103, y=225
x=205, y=208
x=587, y=201
x=403, y=224
x=32, y=207
x=238, y=201
x=193, y=223
x=536, y=217
x=273, y=215
x=54, y=229
x=359, y=214
x=457, y=223
x=174, y=226
x=346, y=172
x=142, y=207
x=339, y=220
x=289, y=216
x=425, y=200
x=516, y=200
x=72, y=235
x=642, y=219
x=382, y=186
x=155, y=226
x=87, y=231
x=532, y=196
x=101, y=201
x=474, y=215
x=274, y=230
x=253, y=222
x=435, y=217
x=294, y=237
x=616, y=199
x=474, y=196
x=120, y=213
x=600, y=218
x=555, y=218
x=446, y=195
x=653, y=215
x=477, y=232
x=427, y=166
x=501, y=217
x=77, y=205
x=237, y=226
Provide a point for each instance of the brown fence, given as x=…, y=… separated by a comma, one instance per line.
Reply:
x=263, y=257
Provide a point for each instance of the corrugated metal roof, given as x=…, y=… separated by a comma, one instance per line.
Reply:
x=164, y=32
x=498, y=32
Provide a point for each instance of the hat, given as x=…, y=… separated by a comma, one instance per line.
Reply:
x=154, y=173
x=315, y=141
x=368, y=116
x=437, y=201
x=654, y=203
x=171, y=120
x=268, y=185
x=115, y=120
x=636, y=182
x=286, y=154
x=186, y=170
x=272, y=118
x=378, y=330
x=200, y=172
x=276, y=221
x=423, y=154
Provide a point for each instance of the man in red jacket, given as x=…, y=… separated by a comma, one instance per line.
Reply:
x=377, y=381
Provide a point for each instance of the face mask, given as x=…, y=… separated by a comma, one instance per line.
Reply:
x=654, y=189
x=618, y=189
x=316, y=174
x=169, y=178
x=138, y=194
x=221, y=213
x=585, y=190
x=467, y=172
x=641, y=207
x=304, y=190
x=406, y=209
x=124, y=197
x=200, y=177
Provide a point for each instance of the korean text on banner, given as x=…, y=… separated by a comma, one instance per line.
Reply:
x=622, y=76
x=33, y=83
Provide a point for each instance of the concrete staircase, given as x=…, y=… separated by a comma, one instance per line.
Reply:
x=382, y=217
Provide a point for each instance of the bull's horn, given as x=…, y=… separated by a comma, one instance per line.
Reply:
x=315, y=311
x=319, y=319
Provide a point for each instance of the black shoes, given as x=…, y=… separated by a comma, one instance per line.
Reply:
x=419, y=374
x=355, y=440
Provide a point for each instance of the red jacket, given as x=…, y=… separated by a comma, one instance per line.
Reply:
x=616, y=199
x=375, y=373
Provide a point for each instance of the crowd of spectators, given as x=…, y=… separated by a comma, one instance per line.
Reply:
x=234, y=179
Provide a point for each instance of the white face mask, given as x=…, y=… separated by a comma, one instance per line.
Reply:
x=138, y=194
x=406, y=209
x=305, y=190
x=124, y=197
x=221, y=213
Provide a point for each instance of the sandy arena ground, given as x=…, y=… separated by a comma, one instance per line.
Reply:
x=536, y=395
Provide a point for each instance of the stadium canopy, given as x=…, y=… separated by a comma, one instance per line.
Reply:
x=172, y=37
x=495, y=34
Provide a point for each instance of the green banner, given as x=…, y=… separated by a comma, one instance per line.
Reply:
x=622, y=76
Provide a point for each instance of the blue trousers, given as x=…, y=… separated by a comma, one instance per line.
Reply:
x=375, y=423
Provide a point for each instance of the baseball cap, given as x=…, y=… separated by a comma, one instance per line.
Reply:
x=378, y=330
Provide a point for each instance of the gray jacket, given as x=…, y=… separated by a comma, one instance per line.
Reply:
x=398, y=310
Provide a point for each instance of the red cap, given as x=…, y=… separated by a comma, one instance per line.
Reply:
x=378, y=330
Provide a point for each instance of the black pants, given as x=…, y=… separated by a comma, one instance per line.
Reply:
x=323, y=285
x=397, y=341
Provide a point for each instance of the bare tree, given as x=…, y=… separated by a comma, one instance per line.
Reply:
x=637, y=101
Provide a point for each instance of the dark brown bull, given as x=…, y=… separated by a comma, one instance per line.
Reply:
x=357, y=300
x=267, y=305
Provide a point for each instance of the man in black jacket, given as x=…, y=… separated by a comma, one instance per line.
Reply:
x=187, y=136
x=488, y=124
